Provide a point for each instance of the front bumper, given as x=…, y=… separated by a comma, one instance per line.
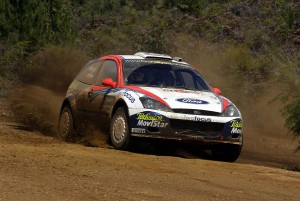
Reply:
x=207, y=129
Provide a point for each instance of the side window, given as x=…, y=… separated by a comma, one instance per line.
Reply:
x=109, y=70
x=88, y=74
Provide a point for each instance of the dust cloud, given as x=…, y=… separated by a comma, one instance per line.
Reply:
x=37, y=101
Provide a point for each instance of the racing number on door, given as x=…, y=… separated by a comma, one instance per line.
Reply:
x=127, y=95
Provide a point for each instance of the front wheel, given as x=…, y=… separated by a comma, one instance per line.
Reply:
x=119, y=130
x=226, y=152
x=66, y=124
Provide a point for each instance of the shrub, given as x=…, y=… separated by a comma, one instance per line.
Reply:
x=291, y=113
x=248, y=70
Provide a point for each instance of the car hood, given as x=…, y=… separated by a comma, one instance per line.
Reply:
x=188, y=99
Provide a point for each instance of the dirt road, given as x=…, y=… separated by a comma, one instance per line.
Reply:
x=36, y=167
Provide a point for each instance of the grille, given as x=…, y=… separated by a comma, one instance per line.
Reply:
x=196, y=128
x=197, y=112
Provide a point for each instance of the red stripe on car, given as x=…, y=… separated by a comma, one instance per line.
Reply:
x=137, y=89
x=225, y=104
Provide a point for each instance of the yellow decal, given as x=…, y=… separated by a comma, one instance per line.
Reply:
x=236, y=124
x=149, y=116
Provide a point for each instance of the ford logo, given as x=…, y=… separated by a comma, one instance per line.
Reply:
x=191, y=101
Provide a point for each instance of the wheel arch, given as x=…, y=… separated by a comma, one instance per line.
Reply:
x=66, y=102
x=119, y=103
x=71, y=104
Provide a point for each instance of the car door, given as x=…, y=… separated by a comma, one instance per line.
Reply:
x=87, y=77
x=99, y=99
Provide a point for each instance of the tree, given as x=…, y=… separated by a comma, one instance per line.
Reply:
x=6, y=17
x=39, y=22
x=59, y=22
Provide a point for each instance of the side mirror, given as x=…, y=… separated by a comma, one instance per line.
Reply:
x=109, y=82
x=217, y=91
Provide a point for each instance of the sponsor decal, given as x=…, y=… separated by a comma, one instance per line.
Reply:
x=195, y=118
x=236, y=131
x=138, y=130
x=129, y=97
x=149, y=116
x=236, y=124
x=149, y=119
x=153, y=123
x=182, y=91
x=191, y=101
x=147, y=93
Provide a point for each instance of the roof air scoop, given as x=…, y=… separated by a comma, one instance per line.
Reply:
x=179, y=59
x=153, y=55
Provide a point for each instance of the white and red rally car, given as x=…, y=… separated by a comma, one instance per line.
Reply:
x=152, y=95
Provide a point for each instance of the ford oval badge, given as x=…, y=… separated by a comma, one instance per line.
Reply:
x=191, y=101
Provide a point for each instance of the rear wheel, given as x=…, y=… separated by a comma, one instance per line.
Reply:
x=226, y=152
x=119, y=130
x=66, y=124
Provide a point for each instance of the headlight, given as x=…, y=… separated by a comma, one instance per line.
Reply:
x=231, y=111
x=153, y=104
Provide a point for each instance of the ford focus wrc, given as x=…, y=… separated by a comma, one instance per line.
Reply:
x=151, y=95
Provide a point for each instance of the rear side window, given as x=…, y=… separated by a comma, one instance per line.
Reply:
x=88, y=74
x=109, y=70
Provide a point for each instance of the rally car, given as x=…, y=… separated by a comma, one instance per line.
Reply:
x=151, y=95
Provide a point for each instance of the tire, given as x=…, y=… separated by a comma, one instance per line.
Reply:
x=66, y=124
x=226, y=152
x=119, y=130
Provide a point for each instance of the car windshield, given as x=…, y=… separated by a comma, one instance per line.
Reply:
x=157, y=73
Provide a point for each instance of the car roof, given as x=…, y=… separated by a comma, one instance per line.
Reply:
x=150, y=55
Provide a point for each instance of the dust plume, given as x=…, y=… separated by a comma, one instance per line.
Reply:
x=37, y=108
x=37, y=101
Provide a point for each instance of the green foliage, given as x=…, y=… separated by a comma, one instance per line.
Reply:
x=248, y=70
x=190, y=6
x=59, y=21
x=292, y=117
x=101, y=7
x=12, y=58
x=23, y=19
x=289, y=11
x=288, y=76
x=40, y=22
x=152, y=35
x=6, y=17
x=144, y=4
x=259, y=40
